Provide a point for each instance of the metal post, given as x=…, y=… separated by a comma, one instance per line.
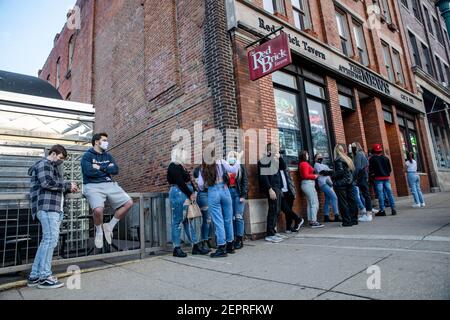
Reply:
x=163, y=224
x=142, y=225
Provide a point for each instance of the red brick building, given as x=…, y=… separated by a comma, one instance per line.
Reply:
x=150, y=67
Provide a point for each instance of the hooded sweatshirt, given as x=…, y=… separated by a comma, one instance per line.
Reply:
x=108, y=167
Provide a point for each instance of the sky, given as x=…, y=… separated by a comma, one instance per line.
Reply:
x=27, y=30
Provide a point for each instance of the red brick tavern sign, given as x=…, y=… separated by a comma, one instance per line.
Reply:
x=269, y=57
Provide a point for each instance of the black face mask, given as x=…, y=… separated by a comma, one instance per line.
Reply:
x=320, y=160
x=58, y=162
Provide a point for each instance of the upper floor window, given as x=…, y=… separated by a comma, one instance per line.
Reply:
x=427, y=56
x=438, y=30
x=385, y=10
x=360, y=43
x=415, y=50
x=275, y=6
x=301, y=14
x=388, y=61
x=398, y=66
x=416, y=10
x=71, y=50
x=427, y=19
x=440, y=69
x=58, y=72
x=346, y=46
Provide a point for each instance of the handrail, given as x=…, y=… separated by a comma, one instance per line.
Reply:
x=26, y=196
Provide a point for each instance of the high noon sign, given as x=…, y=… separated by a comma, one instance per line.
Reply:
x=269, y=57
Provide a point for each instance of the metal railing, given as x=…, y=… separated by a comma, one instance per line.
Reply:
x=144, y=230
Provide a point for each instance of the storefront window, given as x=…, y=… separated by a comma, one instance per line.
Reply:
x=288, y=124
x=319, y=129
x=409, y=139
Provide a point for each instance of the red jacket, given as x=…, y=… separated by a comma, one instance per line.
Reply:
x=306, y=171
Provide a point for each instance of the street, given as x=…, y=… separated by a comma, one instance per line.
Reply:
x=411, y=251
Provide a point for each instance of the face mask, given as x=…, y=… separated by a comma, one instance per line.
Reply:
x=104, y=145
x=319, y=160
x=58, y=162
x=232, y=161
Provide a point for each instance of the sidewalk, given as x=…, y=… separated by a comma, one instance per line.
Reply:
x=411, y=249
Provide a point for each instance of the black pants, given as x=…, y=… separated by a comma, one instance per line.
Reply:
x=287, y=202
x=274, y=212
x=347, y=204
x=363, y=186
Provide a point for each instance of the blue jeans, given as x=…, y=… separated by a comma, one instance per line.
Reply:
x=221, y=209
x=50, y=222
x=202, y=201
x=357, y=196
x=414, y=186
x=330, y=196
x=238, y=212
x=177, y=199
x=381, y=187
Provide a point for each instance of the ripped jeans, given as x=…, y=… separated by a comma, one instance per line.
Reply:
x=238, y=213
x=202, y=201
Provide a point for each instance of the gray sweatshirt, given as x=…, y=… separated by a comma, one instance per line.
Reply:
x=361, y=164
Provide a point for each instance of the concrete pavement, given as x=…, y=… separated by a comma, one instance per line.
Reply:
x=411, y=250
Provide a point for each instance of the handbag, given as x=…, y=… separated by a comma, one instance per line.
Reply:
x=193, y=210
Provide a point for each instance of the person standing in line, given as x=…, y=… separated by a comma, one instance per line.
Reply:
x=181, y=189
x=98, y=167
x=414, y=181
x=343, y=186
x=308, y=185
x=326, y=186
x=215, y=177
x=202, y=201
x=362, y=181
x=289, y=194
x=238, y=185
x=380, y=169
x=47, y=202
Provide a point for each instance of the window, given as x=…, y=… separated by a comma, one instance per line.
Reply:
x=388, y=117
x=58, y=72
x=341, y=20
x=447, y=73
x=275, y=6
x=415, y=49
x=346, y=100
x=426, y=54
x=388, y=61
x=438, y=30
x=301, y=14
x=427, y=19
x=385, y=10
x=71, y=50
x=360, y=43
x=48, y=78
x=440, y=69
x=409, y=138
x=405, y=3
x=416, y=10
x=398, y=66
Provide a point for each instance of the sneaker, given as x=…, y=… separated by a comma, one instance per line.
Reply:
x=281, y=236
x=32, y=282
x=273, y=239
x=380, y=214
x=374, y=211
x=107, y=232
x=366, y=218
x=363, y=212
x=422, y=205
x=416, y=205
x=316, y=225
x=99, y=240
x=50, y=283
x=299, y=225
x=288, y=231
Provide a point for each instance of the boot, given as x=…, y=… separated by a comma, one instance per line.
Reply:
x=394, y=212
x=337, y=218
x=230, y=247
x=205, y=246
x=198, y=249
x=177, y=252
x=210, y=244
x=221, y=252
x=327, y=219
x=239, y=243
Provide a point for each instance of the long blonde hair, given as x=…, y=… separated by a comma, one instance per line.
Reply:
x=339, y=152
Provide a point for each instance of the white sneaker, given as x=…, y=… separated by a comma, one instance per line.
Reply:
x=99, y=240
x=375, y=211
x=423, y=205
x=416, y=205
x=107, y=232
x=273, y=239
x=281, y=236
x=366, y=218
x=362, y=212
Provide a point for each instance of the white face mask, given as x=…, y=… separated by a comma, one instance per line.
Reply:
x=104, y=145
